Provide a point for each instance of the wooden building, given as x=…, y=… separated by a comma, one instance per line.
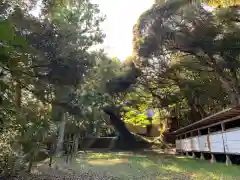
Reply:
x=216, y=134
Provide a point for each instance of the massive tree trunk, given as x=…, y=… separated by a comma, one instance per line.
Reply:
x=59, y=115
x=126, y=139
x=118, y=124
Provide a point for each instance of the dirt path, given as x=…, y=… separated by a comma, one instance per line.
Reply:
x=53, y=174
x=61, y=172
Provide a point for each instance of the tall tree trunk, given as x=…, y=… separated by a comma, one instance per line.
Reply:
x=50, y=161
x=61, y=131
x=119, y=125
x=59, y=116
x=30, y=162
x=76, y=143
x=51, y=152
x=69, y=144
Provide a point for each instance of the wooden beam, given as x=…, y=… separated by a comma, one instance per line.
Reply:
x=214, y=124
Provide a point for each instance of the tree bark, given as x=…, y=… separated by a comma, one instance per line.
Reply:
x=119, y=125
x=60, y=138
x=50, y=161
x=76, y=142
x=51, y=153
x=30, y=163
x=126, y=139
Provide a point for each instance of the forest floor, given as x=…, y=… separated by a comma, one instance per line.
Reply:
x=131, y=166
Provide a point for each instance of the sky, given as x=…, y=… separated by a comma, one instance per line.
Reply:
x=121, y=16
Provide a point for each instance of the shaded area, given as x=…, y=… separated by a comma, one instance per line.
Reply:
x=141, y=165
x=126, y=140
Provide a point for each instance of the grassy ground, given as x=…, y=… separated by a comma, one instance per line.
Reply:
x=142, y=166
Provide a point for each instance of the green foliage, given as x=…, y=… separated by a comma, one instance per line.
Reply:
x=152, y=166
x=138, y=102
x=51, y=76
x=136, y=118
x=189, y=71
x=92, y=93
x=44, y=63
x=11, y=159
x=125, y=80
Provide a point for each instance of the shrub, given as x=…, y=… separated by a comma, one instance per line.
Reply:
x=11, y=157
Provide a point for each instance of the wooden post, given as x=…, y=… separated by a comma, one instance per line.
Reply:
x=51, y=153
x=76, y=142
x=228, y=160
x=199, y=133
x=193, y=155
x=223, y=126
x=224, y=143
x=202, y=155
x=68, y=148
x=192, y=145
x=186, y=145
x=71, y=147
x=181, y=145
x=213, y=159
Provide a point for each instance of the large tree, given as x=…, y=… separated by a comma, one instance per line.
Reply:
x=44, y=60
x=187, y=50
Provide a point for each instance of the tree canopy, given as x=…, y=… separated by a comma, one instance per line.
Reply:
x=54, y=83
x=191, y=55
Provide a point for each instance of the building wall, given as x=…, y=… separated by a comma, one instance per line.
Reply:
x=217, y=142
x=195, y=143
x=178, y=144
x=204, y=144
x=232, y=141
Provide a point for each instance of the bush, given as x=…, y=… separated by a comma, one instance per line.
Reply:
x=11, y=157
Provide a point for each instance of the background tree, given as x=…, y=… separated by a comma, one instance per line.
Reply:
x=171, y=43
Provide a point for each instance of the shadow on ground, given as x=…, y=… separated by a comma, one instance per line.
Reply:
x=144, y=166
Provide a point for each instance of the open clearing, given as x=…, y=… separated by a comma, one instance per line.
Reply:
x=144, y=166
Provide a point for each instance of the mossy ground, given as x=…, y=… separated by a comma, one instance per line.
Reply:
x=147, y=166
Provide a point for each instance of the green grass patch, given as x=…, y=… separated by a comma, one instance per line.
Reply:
x=152, y=166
